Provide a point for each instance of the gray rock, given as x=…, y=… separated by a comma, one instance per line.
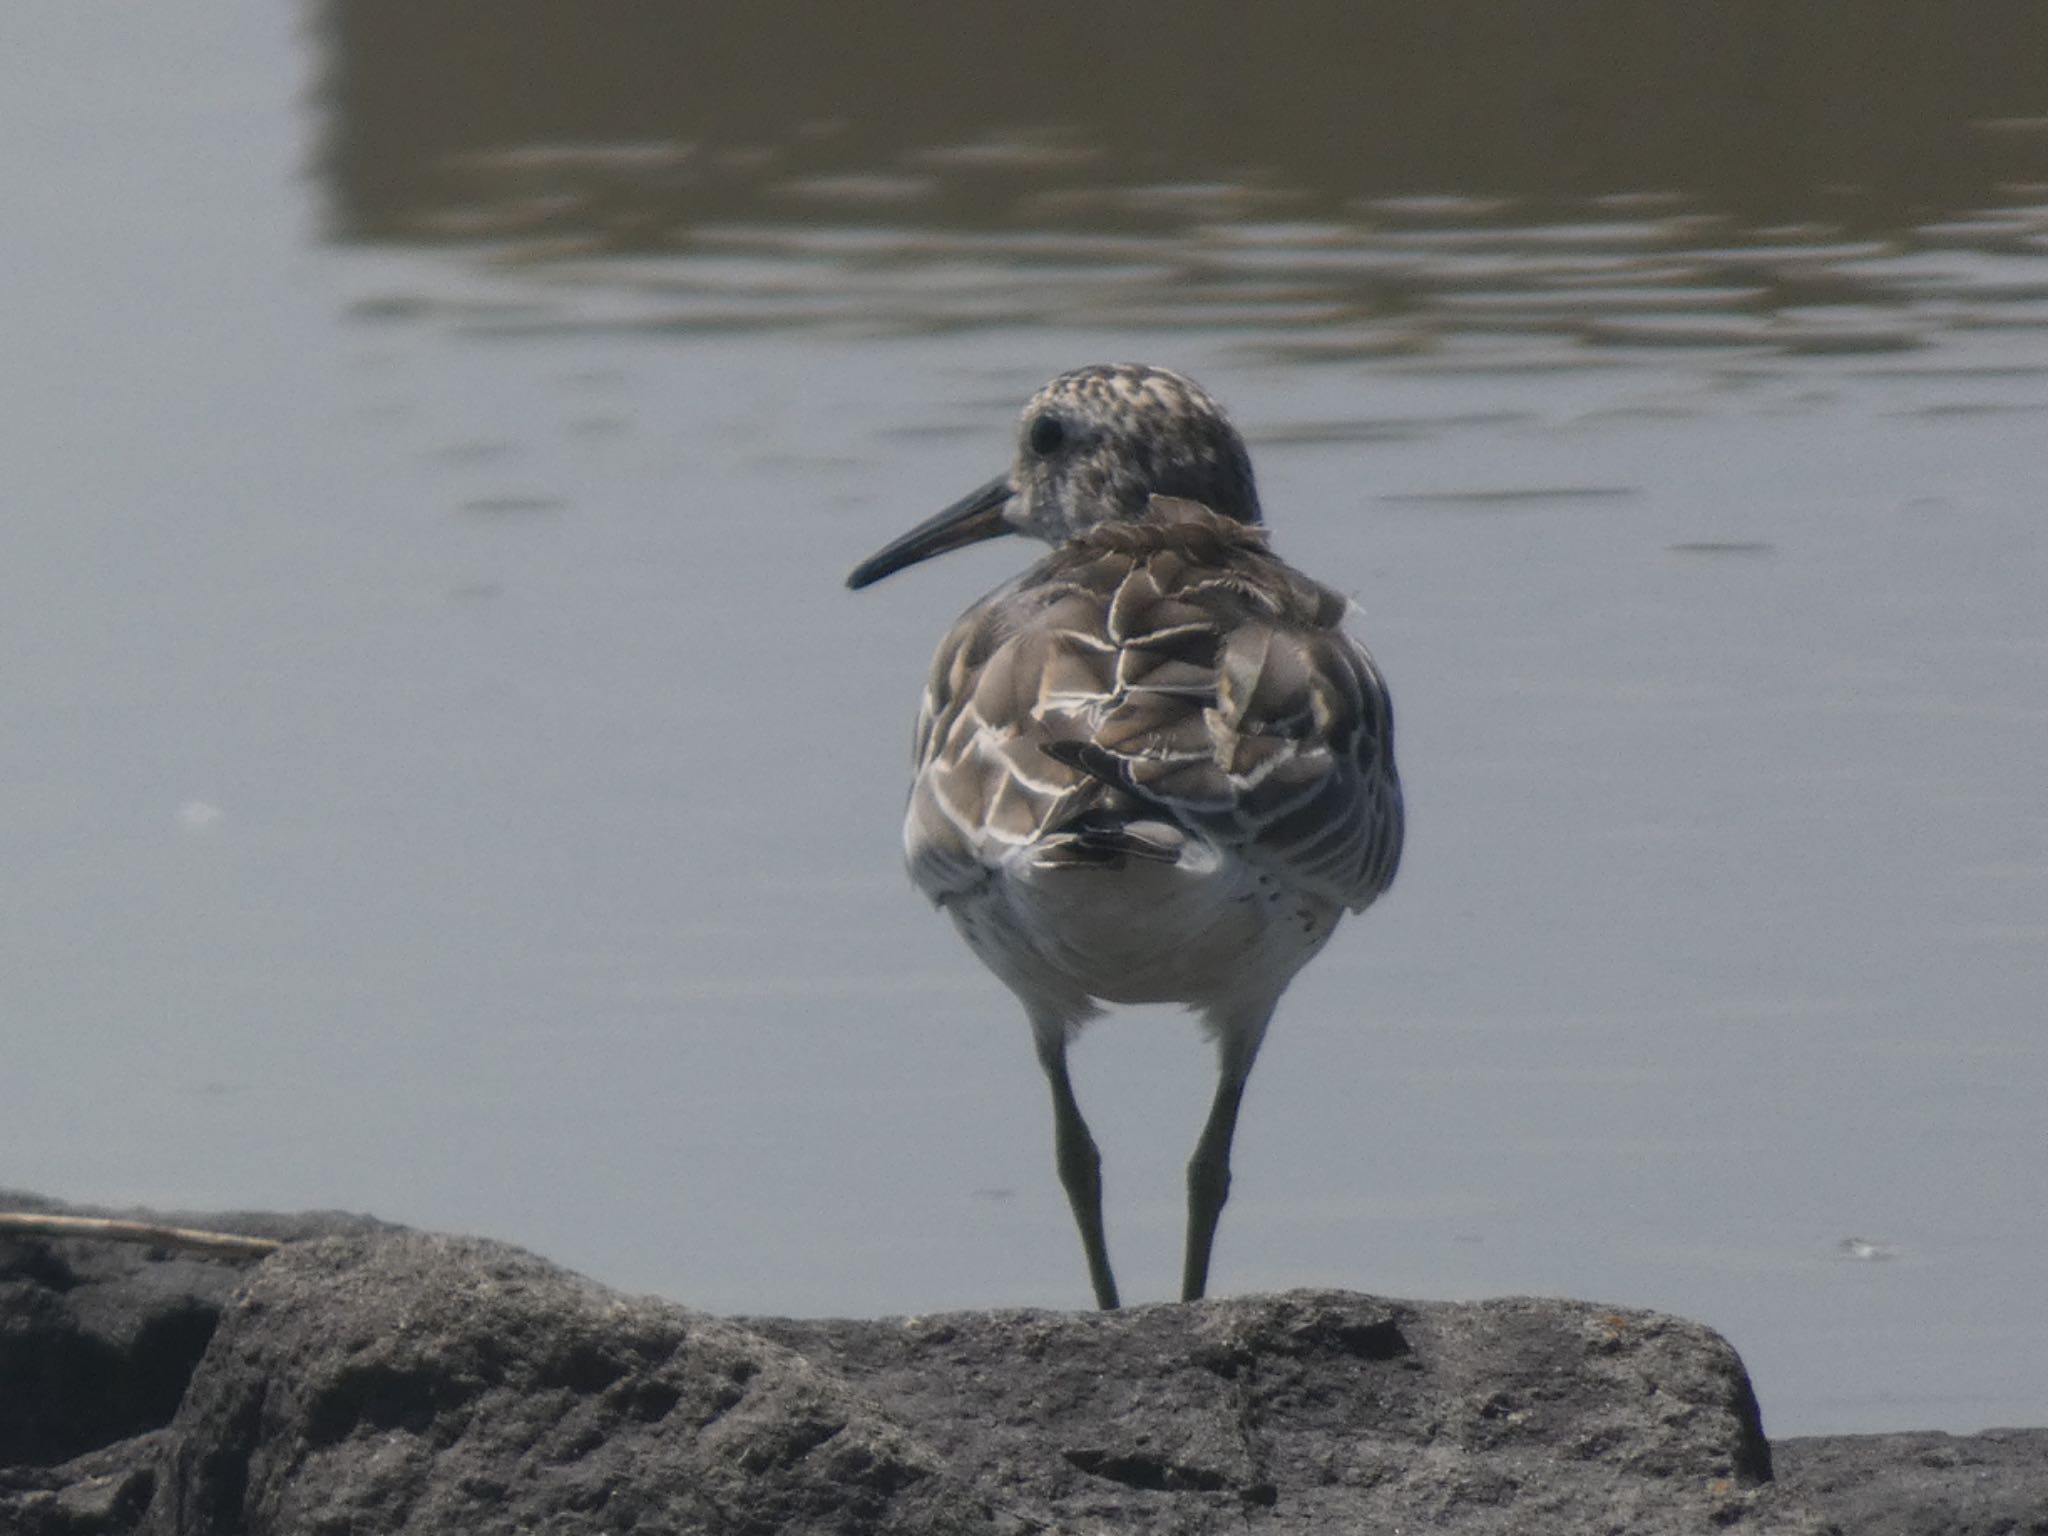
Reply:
x=98, y=1340
x=370, y=1380
x=426, y=1383
x=1989, y=1484
x=1328, y=1411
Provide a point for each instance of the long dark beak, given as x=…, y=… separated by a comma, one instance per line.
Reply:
x=974, y=517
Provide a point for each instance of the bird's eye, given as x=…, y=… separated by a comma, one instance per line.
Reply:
x=1048, y=434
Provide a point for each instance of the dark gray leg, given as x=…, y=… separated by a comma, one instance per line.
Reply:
x=1209, y=1168
x=1080, y=1166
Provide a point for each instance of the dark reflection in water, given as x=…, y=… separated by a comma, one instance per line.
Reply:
x=1336, y=179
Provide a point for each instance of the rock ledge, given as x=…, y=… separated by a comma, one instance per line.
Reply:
x=365, y=1379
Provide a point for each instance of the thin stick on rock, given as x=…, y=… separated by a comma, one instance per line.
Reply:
x=227, y=1245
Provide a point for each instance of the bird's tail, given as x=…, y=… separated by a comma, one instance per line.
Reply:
x=1105, y=838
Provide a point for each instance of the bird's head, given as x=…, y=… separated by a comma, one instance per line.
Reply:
x=1093, y=446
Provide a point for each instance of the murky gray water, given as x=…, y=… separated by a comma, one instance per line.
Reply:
x=444, y=777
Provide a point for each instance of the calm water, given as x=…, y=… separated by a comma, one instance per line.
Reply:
x=444, y=777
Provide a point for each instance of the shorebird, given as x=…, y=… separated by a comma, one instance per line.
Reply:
x=1154, y=768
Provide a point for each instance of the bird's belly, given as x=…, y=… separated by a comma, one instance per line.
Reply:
x=1192, y=932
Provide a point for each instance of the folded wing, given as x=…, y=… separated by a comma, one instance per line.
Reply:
x=1153, y=681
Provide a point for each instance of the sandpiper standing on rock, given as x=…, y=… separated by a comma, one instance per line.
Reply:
x=1153, y=768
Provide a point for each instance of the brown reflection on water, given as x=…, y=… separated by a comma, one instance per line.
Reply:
x=1347, y=181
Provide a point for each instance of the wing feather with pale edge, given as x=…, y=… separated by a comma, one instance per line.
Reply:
x=1168, y=669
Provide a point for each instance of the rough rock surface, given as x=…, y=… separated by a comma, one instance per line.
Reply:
x=369, y=1380
x=435, y=1383
x=98, y=1344
x=1321, y=1411
x=1989, y=1484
